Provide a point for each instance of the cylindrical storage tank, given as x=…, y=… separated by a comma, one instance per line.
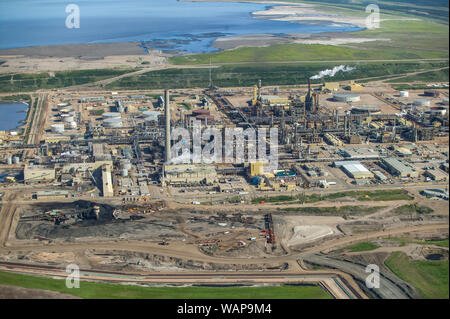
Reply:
x=66, y=110
x=124, y=172
x=404, y=94
x=151, y=114
x=346, y=97
x=73, y=125
x=365, y=109
x=111, y=115
x=125, y=164
x=57, y=128
x=432, y=93
x=113, y=123
x=438, y=110
x=16, y=159
x=421, y=102
x=68, y=119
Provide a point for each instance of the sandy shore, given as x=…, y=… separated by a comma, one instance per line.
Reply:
x=262, y=40
x=78, y=57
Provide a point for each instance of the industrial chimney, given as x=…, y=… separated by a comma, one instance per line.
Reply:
x=167, y=114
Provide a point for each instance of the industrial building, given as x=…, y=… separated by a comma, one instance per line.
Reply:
x=436, y=175
x=51, y=194
x=189, y=174
x=107, y=181
x=357, y=171
x=397, y=168
x=330, y=86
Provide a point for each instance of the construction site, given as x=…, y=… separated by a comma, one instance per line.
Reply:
x=94, y=182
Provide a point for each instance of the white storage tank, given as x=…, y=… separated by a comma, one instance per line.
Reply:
x=73, y=125
x=346, y=97
x=126, y=164
x=113, y=123
x=68, y=119
x=421, y=102
x=57, y=128
x=111, y=115
x=404, y=94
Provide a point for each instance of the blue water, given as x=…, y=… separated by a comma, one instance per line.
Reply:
x=11, y=115
x=197, y=24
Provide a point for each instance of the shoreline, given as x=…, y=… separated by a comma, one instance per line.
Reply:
x=64, y=57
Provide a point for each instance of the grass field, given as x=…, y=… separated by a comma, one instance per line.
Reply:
x=408, y=30
x=378, y=195
x=403, y=241
x=342, y=211
x=429, y=277
x=31, y=82
x=412, y=209
x=271, y=73
x=363, y=246
x=95, y=290
x=432, y=76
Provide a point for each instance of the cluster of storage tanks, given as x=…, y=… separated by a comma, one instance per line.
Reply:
x=151, y=117
x=67, y=115
x=125, y=166
x=12, y=159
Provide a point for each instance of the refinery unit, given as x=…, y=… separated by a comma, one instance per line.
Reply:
x=101, y=145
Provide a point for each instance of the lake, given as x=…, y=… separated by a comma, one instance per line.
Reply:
x=11, y=114
x=166, y=24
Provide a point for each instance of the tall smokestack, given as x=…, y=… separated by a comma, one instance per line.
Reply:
x=167, y=114
x=259, y=90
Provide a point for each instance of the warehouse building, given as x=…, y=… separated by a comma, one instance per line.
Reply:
x=357, y=171
x=51, y=194
x=107, y=181
x=397, y=168
x=436, y=175
x=380, y=176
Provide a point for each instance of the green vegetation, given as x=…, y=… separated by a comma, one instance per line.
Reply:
x=407, y=87
x=432, y=76
x=343, y=211
x=412, y=209
x=32, y=82
x=403, y=241
x=18, y=97
x=272, y=73
x=363, y=246
x=429, y=277
x=96, y=112
x=377, y=195
x=303, y=52
x=112, y=291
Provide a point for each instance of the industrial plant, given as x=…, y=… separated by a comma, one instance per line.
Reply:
x=99, y=167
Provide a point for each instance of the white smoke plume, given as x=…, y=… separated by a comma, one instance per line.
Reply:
x=332, y=72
